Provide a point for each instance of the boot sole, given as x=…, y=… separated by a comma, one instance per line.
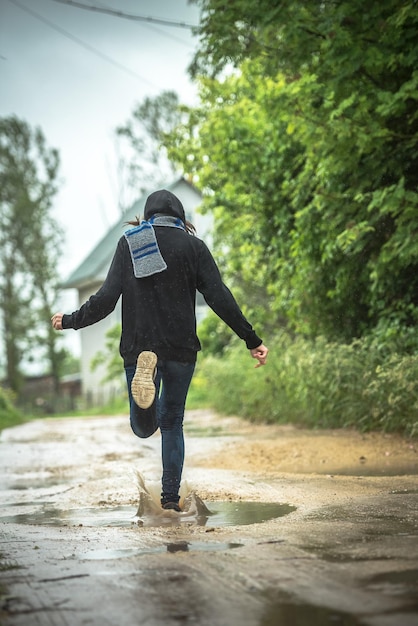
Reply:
x=142, y=386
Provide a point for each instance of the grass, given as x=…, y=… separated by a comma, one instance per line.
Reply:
x=11, y=416
x=315, y=384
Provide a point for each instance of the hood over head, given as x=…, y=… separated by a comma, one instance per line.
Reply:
x=164, y=202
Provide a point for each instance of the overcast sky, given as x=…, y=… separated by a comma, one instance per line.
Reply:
x=78, y=75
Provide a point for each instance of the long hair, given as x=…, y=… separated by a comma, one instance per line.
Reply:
x=189, y=226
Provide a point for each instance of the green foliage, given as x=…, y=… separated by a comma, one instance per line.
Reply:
x=214, y=335
x=69, y=364
x=29, y=246
x=9, y=414
x=198, y=396
x=307, y=153
x=315, y=383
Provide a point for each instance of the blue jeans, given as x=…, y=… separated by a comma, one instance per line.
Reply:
x=172, y=384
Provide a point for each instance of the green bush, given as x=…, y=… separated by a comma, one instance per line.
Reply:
x=317, y=384
x=9, y=414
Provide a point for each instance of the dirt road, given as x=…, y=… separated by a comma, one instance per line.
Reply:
x=308, y=528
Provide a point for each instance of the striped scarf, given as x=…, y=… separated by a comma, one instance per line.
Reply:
x=143, y=247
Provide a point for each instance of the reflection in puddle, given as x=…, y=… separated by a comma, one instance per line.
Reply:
x=181, y=546
x=244, y=513
x=221, y=514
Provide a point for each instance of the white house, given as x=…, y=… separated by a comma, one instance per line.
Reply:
x=89, y=275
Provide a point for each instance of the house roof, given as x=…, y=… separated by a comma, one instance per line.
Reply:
x=95, y=266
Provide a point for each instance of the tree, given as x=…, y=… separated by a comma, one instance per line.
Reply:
x=29, y=246
x=306, y=140
x=144, y=161
x=233, y=146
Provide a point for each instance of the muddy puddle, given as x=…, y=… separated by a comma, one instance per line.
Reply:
x=218, y=515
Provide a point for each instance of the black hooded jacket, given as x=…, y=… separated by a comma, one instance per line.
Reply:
x=158, y=312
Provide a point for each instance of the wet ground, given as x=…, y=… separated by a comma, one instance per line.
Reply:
x=281, y=527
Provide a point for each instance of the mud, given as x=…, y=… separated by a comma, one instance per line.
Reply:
x=301, y=527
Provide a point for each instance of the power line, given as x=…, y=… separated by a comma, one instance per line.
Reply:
x=127, y=16
x=164, y=33
x=82, y=43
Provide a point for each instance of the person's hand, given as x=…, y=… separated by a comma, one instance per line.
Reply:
x=56, y=321
x=260, y=353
